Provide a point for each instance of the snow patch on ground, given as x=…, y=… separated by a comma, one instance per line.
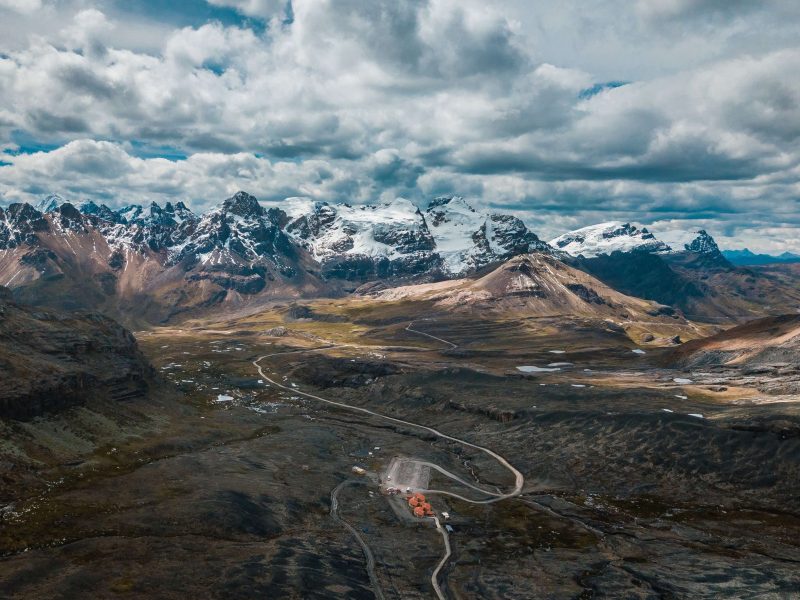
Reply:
x=533, y=369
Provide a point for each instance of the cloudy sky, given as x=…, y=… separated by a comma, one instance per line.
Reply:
x=666, y=112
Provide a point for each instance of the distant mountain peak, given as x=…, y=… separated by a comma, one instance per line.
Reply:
x=606, y=238
x=616, y=236
x=747, y=257
x=698, y=241
x=49, y=203
x=243, y=205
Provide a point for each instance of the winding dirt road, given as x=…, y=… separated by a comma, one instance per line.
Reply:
x=443, y=562
x=373, y=578
x=519, y=479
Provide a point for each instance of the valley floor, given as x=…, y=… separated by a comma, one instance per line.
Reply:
x=635, y=480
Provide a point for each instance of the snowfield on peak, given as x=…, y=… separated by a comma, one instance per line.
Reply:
x=615, y=236
x=691, y=240
x=605, y=238
x=450, y=236
x=467, y=240
x=392, y=230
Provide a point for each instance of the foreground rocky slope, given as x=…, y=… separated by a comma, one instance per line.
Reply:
x=637, y=484
x=50, y=361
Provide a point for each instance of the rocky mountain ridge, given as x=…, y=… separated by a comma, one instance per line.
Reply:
x=151, y=262
x=167, y=260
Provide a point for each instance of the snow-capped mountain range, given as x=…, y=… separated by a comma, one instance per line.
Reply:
x=167, y=259
x=614, y=236
x=449, y=238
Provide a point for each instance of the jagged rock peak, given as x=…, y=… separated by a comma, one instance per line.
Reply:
x=243, y=205
x=69, y=212
x=698, y=241
x=703, y=243
x=23, y=211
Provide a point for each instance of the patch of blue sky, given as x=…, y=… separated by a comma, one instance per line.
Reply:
x=187, y=13
x=25, y=143
x=142, y=149
x=600, y=87
x=215, y=67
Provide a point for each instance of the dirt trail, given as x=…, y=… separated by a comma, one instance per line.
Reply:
x=519, y=479
x=376, y=586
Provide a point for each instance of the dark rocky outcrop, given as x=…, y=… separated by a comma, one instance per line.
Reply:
x=50, y=361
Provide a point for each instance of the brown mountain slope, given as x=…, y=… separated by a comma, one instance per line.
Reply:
x=538, y=285
x=706, y=288
x=773, y=340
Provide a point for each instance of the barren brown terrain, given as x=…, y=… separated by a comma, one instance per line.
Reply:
x=640, y=480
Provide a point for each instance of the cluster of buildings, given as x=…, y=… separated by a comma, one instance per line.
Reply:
x=419, y=506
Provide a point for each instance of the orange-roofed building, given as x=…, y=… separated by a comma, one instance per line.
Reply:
x=413, y=501
x=420, y=497
x=419, y=512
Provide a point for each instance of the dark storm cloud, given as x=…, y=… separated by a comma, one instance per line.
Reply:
x=84, y=80
x=46, y=121
x=387, y=170
x=684, y=163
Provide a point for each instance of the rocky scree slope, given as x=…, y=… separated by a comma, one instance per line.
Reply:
x=773, y=342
